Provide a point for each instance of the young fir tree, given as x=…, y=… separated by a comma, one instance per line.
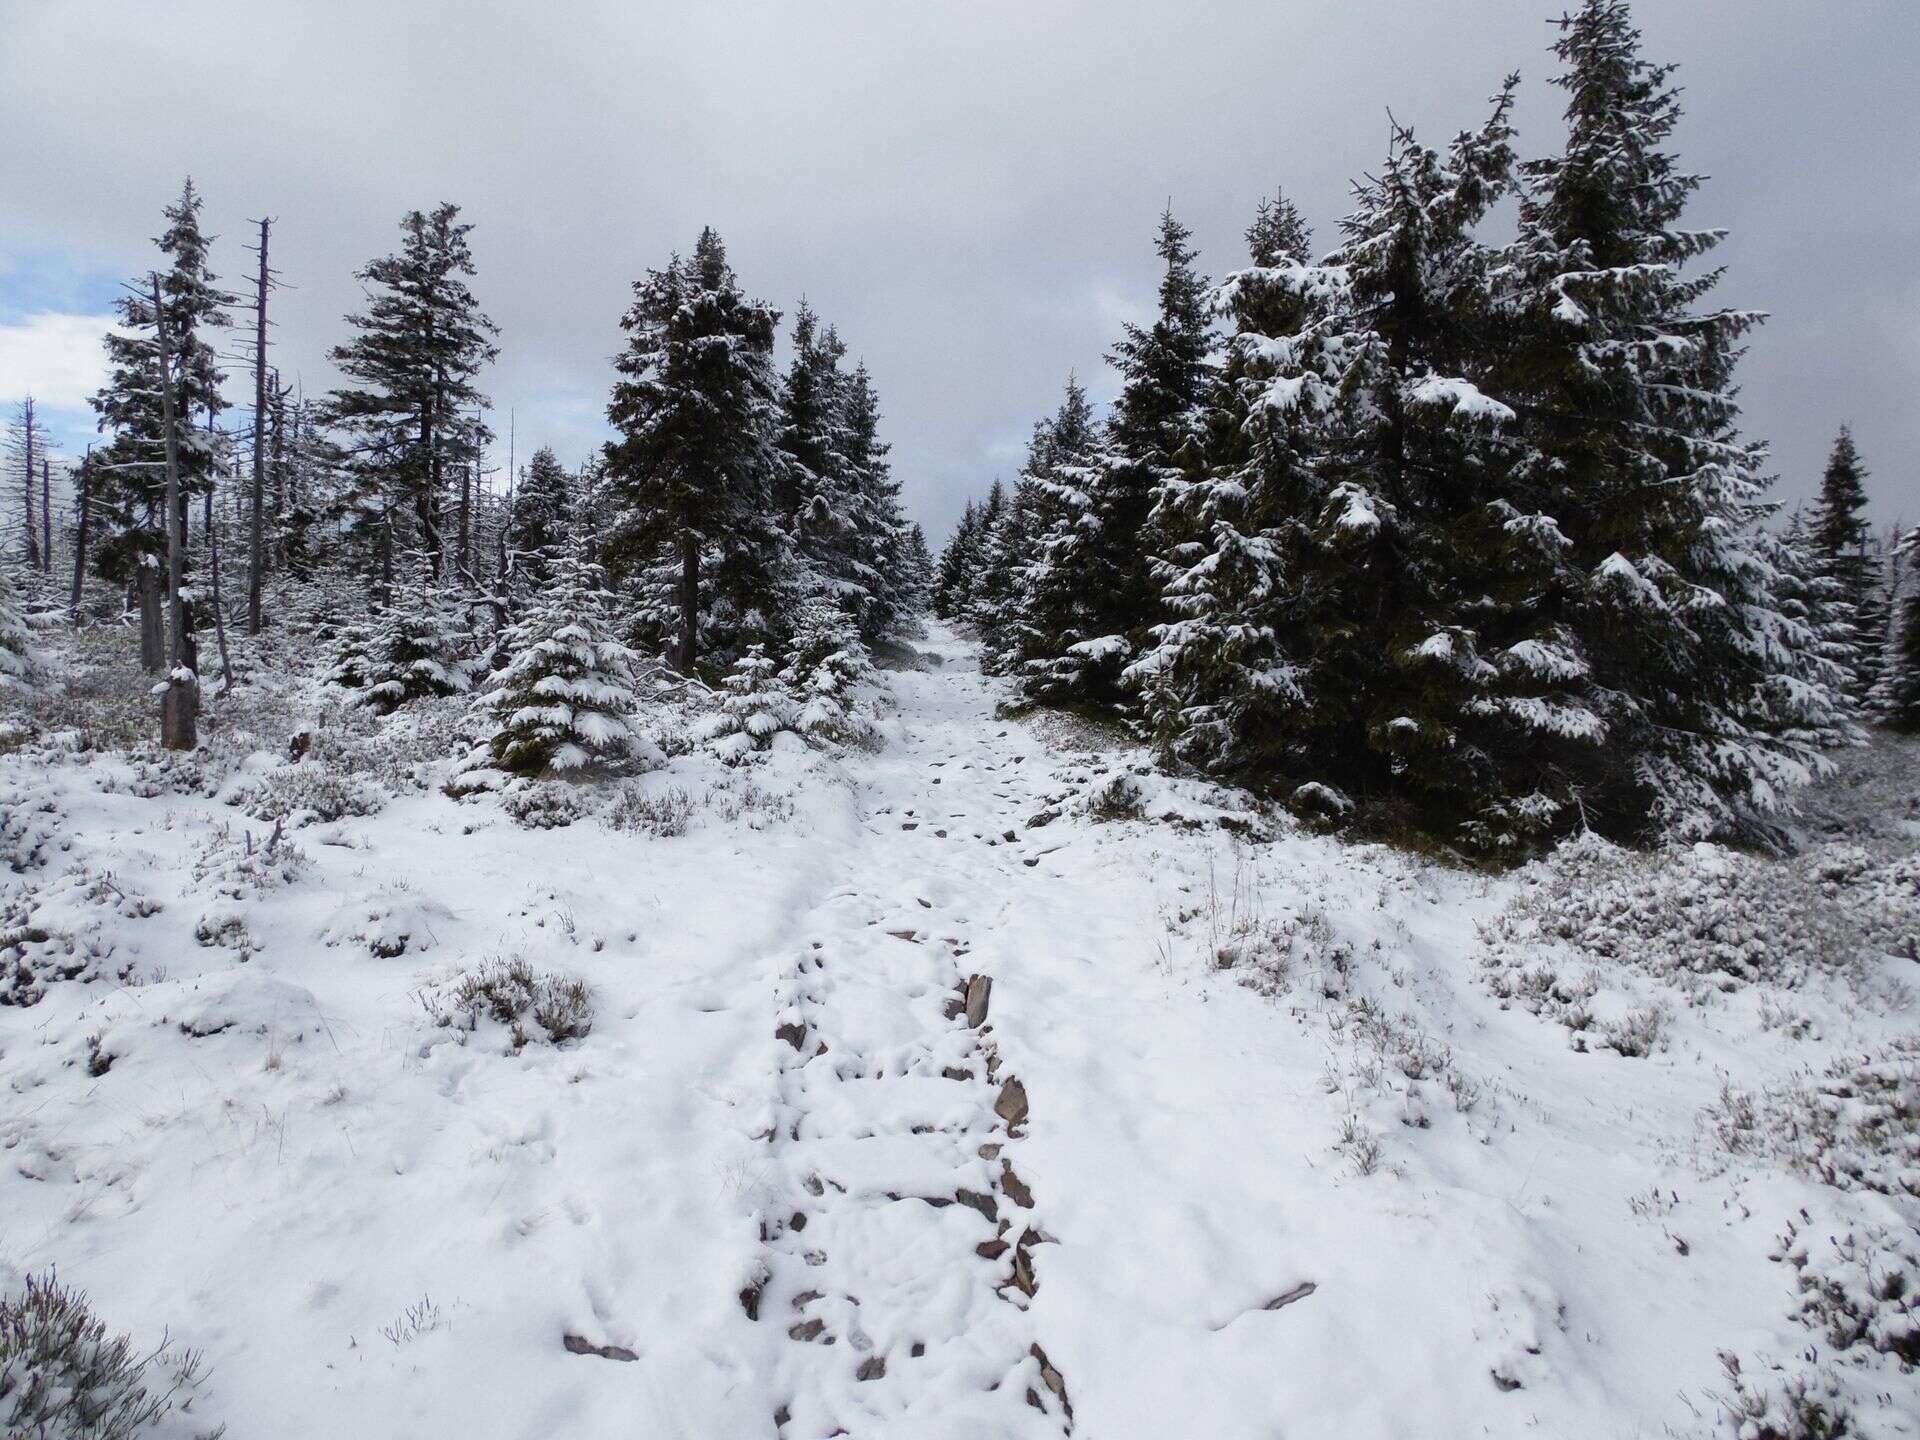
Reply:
x=413, y=408
x=1216, y=685
x=419, y=648
x=128, y=505
x=757, y=706
x=914, y=573
x=1812, y=598
x=542, y=509
x=879, y=528
x=982, y=554
x=22, y=666
x=566, y=698
x=826, y=664
x=1103, y=552
x=1052, y=498
x=1625, y=380
x=1843, y=544
x=691, y=478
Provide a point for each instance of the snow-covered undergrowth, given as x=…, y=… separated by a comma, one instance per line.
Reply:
x=674, y=1100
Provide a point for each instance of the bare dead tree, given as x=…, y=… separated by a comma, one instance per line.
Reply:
x=180, y=704
x=256, y=543
x=82, y=503
x=46, y=515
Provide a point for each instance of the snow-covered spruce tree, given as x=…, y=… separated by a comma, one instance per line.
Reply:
x=411, y=406
x=690, y=480
x=1810, y=596
x=1843, y=544
x=566, y=697
x=542, y=507
x=1216, y=686
x=826, y=664
x=955, y=570
x=880, y=530
x=914, y=573
x=128, y=499
x=1625, y=384
x=1049, y=511
x=1103, y=553
x=22, y=666
x=757, y=706
x=419, y=648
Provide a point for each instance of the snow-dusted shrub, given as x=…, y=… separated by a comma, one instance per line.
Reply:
x=1116, y=798
x=352, y=661
x=62, y=1377
x=1806, y=1406
x=511, y=995
x=389, y=923
x=29, y=825
x=306, y=793
x=544, y=804
x=152, y=773
x=751, y=804
x=1860, y=1289
x=49, y=933
x=240, y=865
x=755, y=709
x=1701, y=919
x=566, y=698
x=1856, y=1127
x=666, y=812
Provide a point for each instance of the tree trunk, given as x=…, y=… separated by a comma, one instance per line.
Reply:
x=219, y=616
x=257, y=539
x=177, y=711
x=689, y=600
x=150, y=586
x=80, y=535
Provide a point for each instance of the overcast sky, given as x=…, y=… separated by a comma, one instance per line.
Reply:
x=968, y=190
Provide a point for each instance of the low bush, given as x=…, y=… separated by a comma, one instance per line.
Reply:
x=62, y=1377
x=512, y=995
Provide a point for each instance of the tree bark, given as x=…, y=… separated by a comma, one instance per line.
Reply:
x=150, y=587
x=689, y=600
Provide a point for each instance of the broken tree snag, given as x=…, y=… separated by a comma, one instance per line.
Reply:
x=979, y=988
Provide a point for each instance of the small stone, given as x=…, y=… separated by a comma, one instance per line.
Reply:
x=991, y=1249
x=1014, y=1188
x=580, y=1345
x=979, y=990
x=793, y=1032
x=874, y=1367
x=1012, y=1104
x=985, y=1204
x=807, y=1330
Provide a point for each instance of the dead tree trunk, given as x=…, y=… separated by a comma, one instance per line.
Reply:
x=27, y=432
x=181, y=702
x=256, y=545
x=46, y=516
x=80, y=535
x=219, y=615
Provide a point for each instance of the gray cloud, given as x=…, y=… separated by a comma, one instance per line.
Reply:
x=967, y=190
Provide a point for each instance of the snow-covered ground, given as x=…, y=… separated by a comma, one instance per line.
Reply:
x=1259, y=1134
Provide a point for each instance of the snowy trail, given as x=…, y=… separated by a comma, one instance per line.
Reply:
x=790, y=1188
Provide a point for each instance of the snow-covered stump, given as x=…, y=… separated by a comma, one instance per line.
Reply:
x=897, y=1236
